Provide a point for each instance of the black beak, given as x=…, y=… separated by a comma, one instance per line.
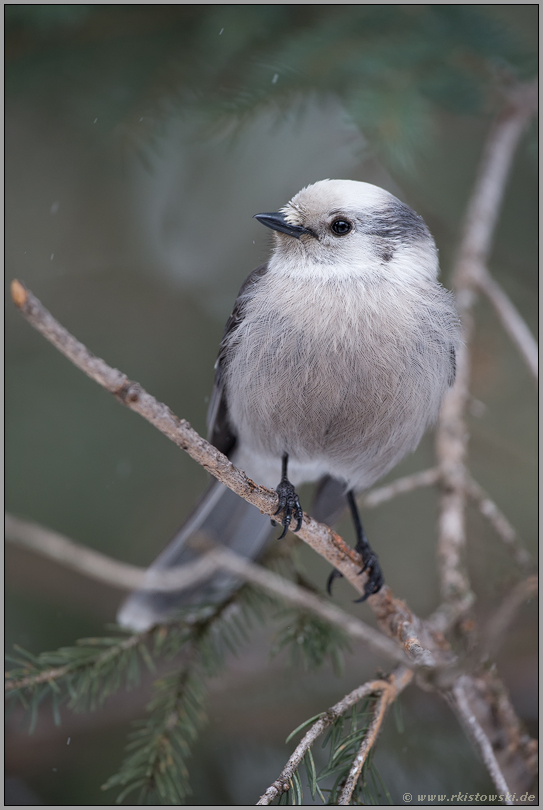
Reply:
x=277, y=222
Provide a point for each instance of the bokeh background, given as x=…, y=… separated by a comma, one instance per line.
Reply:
x=140, y=141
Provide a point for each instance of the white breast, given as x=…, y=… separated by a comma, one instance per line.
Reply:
x=343, y=374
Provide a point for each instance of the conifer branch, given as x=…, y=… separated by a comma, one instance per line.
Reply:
x=369, y=740
x=47, y=674
x=391, y=687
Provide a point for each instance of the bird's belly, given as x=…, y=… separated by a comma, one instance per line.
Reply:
x=332, y=411
x=342, y=383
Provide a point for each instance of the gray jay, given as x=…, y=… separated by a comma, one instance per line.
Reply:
x=333, y=363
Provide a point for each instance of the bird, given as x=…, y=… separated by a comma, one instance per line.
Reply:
x=334, y=361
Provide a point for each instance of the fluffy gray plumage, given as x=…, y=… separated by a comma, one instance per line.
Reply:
x=342, y=346
x=338, y=352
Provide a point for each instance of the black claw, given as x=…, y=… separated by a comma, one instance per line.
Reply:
x=334, y=575
x=289, y=504
x=375, y=579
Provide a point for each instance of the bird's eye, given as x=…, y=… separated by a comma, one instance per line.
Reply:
x=341, y=227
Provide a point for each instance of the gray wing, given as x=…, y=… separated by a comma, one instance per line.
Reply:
x=220, y=432
x=221, y=515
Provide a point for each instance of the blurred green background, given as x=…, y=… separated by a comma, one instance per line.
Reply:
x=140, y=141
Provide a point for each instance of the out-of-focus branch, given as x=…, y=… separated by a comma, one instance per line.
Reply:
x=487, y=507
x=499, y=624
x=97, y=566
x=470, y=703
x=461, y=704
x=512, y=321
x=485, y=202
x=479, y=225
x=500, y=524
x=112, y=572
x=510, y=755
x=517, y=751
x=392, y=688
x=395, y=618
x=408, y=483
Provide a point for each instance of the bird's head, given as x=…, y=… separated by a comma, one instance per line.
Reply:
x=343, y=227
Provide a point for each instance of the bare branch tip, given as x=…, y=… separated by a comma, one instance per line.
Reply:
x=19, y=293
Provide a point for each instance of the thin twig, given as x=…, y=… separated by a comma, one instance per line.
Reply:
x=503, y=617
x=365, y=747
x=408, y=483
x=398, y=681
x=476, y=732
x=395, y=618
x=97, y=566
x=91, y=563
x=485, y=202
x=512, y=321
x=500, y=524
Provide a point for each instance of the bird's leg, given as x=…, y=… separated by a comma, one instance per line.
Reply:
x=288, y=501
x=369, y=557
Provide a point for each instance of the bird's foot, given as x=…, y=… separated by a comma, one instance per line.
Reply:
x=289, y=504
x=375, y=579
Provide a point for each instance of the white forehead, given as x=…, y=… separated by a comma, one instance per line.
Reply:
x=337, y=195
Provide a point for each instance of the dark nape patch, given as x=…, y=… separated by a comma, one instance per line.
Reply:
x=398, y=223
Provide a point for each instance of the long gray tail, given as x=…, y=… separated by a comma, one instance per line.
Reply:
x=224, y=518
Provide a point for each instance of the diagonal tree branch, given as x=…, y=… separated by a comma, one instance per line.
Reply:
x=395, y=618
x=97, y=566
x=366, y=745
x=512, y=321
x=501, y=525
x=460, y=703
